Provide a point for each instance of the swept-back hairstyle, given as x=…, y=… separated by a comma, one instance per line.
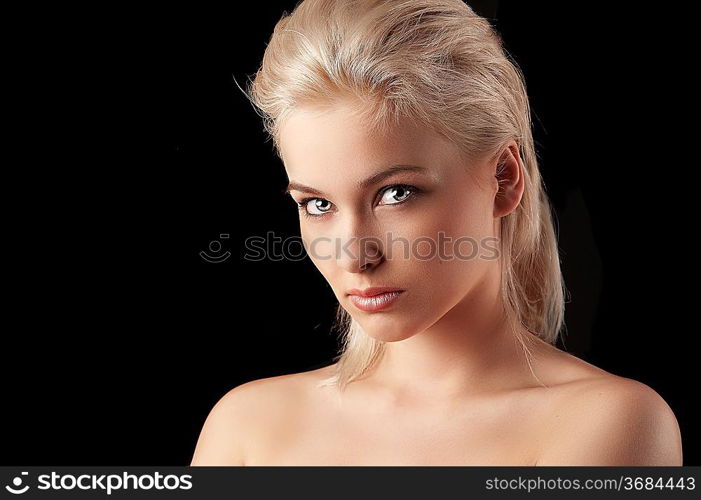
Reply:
x=436, y=63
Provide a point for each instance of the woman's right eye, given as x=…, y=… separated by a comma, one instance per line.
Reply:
x=314, y=207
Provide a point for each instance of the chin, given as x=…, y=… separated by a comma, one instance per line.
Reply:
x=386, y=329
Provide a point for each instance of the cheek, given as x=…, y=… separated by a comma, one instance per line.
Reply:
x=467, y=214
x=321, y=249
x=458, y=225
x=446, y=250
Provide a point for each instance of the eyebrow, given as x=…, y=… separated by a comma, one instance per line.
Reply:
x=370, y=181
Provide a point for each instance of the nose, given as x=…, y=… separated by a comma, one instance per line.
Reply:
x=359, y=249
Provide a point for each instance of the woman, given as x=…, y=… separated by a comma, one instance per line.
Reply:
x=405, y=133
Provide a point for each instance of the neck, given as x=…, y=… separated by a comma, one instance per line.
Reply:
x=471, y=350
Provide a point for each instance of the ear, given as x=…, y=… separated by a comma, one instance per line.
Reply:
x=509, y=177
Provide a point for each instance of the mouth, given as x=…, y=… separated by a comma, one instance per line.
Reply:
x=376, y=301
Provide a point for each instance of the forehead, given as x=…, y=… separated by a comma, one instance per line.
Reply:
x=318, y=144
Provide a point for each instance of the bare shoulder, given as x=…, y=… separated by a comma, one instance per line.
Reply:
x=249, y=413
x=604, y=419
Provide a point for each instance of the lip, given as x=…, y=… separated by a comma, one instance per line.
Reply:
x=374, y=299
x=372, y=291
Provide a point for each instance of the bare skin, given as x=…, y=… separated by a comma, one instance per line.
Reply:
x=585, y=416
x=453, y=387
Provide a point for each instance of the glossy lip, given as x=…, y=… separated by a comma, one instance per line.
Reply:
x=373, y=301
x=372, y=291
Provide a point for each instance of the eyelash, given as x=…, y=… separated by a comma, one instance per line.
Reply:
x=303, y=203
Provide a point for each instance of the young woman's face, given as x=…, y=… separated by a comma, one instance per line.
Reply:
x=399, y=210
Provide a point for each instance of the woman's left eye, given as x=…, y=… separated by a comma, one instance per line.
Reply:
x=395, y=194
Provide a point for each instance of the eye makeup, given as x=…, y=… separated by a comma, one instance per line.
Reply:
x=412, y=191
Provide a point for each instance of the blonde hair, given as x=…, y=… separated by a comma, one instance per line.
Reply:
x=436, y=63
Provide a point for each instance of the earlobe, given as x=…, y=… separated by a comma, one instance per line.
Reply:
x=510, y=182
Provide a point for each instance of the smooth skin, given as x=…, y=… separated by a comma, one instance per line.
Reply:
x=454, y=387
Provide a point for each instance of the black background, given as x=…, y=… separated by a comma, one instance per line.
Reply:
x=135, y=149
